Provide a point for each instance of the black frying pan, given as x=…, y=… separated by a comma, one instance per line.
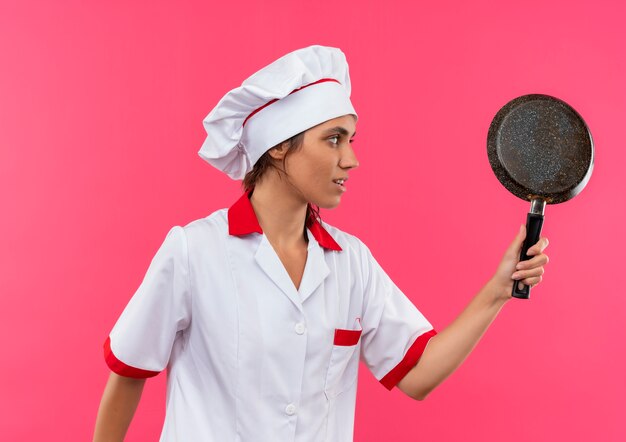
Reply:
x=541, y=150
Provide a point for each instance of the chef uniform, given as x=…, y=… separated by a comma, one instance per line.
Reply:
x=248, y=356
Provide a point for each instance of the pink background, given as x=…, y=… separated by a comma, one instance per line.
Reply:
x=101, y=105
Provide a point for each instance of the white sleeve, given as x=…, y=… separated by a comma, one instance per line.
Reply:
x=395, y=333
x=141, y=341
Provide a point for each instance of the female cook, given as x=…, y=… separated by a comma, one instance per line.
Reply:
x=261, y=312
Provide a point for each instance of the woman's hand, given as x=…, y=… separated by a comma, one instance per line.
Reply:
x=511, y=269
x=446, y=351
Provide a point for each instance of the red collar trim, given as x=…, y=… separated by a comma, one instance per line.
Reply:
x=242, y=221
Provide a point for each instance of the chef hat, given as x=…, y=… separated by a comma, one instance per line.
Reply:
x=296, y=92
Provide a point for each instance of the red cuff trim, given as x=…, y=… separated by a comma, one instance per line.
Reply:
x=122, y=369
x=409, y=361
x=347, y=337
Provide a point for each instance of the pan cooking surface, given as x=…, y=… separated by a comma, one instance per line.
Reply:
x=543, y=148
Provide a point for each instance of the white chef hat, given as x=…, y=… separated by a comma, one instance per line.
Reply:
x=296, y=92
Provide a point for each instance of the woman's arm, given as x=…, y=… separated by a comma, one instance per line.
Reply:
x=447, y=350
x=119, y=402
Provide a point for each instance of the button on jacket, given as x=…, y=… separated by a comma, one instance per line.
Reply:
x=250, y=357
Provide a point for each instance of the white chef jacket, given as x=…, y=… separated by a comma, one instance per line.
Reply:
x=251, y=358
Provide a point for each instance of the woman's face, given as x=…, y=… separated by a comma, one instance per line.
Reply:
x=319, y=169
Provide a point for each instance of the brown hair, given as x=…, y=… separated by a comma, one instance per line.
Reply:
x=266, y=162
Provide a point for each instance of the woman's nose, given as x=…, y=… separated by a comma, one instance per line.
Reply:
x=348, y=159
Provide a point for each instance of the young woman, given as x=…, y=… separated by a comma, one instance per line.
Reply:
x=261, y=312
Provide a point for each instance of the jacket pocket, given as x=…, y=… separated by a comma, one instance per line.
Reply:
x=344, y=362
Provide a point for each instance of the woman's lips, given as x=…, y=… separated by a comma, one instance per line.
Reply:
x=340, y=182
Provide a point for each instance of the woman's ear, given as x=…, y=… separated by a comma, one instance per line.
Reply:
x=278, y=152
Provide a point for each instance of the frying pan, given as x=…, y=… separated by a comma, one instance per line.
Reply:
x=541, y=150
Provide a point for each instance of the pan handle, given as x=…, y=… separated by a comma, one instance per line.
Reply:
x=534, y=223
